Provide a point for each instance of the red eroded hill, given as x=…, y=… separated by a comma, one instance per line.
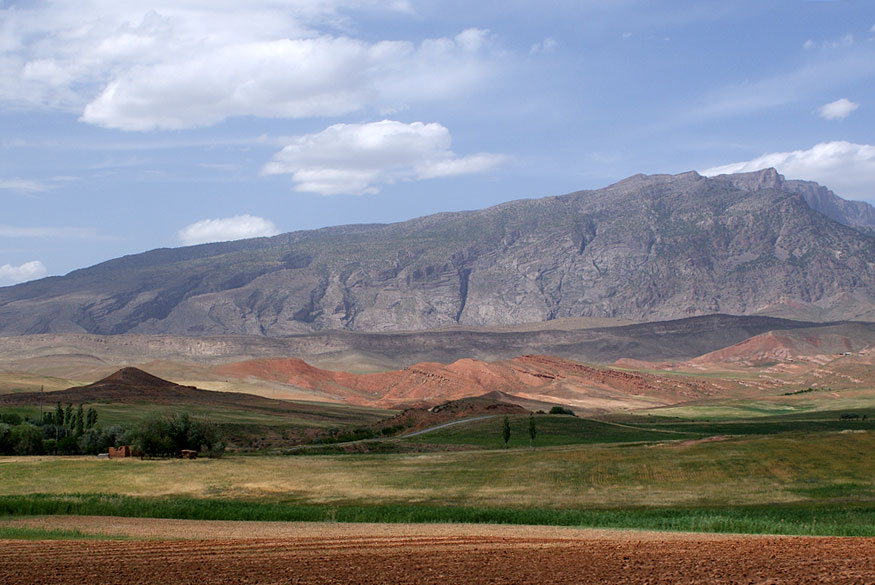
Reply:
x=537, y=378
x=779, y=347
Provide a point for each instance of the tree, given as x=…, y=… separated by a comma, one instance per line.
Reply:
x=68, y=416
x=90, y=418
x=79, y=421
x=59, y=415
x=505, y=430
x=27, y=440
x=532, y=430
x=168, y=435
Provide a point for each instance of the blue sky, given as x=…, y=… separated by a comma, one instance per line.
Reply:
x=127, y=126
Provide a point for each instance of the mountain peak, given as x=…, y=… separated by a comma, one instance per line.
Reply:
x=768, y=178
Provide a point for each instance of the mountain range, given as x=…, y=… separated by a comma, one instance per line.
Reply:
x=647, y=248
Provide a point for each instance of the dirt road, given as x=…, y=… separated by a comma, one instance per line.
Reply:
x=425, y=554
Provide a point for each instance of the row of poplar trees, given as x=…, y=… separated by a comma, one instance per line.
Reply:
x=75, y=421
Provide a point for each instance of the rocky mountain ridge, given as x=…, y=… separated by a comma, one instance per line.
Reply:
x=646, y=248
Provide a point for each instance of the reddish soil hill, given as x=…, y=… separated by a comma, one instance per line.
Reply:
x=536, y=378
x=779, y=347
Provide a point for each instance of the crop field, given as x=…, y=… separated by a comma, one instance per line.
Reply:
x=372, y=554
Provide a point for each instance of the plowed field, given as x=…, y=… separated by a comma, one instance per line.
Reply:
x=323, y=554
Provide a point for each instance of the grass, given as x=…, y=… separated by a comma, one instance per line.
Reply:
x=813, y=404
x=555, y=430
x=846, y=520
x=27, y=533
x=552, y=430
x=739, y=472
x=15, y=382
x=808, y=422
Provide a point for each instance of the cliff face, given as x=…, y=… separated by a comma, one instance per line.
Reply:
x=853, y=213
x=648, y=247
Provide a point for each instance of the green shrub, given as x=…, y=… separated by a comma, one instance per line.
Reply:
x=27, y=440
x=561, y=410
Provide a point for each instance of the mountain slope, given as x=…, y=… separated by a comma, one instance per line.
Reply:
x=646, y=248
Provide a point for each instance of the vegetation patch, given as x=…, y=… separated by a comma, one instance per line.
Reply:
x=551, y=431
x=28, y=533
x=796, y=519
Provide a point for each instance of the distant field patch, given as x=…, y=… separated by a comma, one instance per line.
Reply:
x=551, y=431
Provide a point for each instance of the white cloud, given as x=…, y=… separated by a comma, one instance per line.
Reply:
x=548, y=45
x=22, y=186
x=837, y=110
x=158, y=64
x=845, y=167
x=70, y=233
x=28, y=271
x=225, y=229
x=844, y=41
x=355, y=158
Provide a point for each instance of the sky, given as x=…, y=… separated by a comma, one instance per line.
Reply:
x=128, y=126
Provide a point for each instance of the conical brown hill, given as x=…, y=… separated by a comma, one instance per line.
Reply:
x=132, y=377
x=134, y=386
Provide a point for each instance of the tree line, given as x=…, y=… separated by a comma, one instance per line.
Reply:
x=74, y=431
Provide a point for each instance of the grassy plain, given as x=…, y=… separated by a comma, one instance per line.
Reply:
x=799, y=483
x=734, y=472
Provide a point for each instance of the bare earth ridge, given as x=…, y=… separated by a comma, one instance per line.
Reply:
x=249, y=552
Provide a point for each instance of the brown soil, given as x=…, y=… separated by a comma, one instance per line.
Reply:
x=534, y=378
x=329, y=554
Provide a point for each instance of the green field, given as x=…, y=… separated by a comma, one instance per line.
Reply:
x=557, y=430
x=551, y=431
x=822, y=469
x=844, y=520
x=797, y=483
x=802, y=473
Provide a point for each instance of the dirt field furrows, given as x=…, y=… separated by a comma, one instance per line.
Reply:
x=423, y=559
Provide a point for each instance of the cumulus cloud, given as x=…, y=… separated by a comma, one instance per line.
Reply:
x=845, y=167
x=225, y=229
x=10, y=274
x=158, y=64
x=355, y=158
x=837, y=110
x=22, y=186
